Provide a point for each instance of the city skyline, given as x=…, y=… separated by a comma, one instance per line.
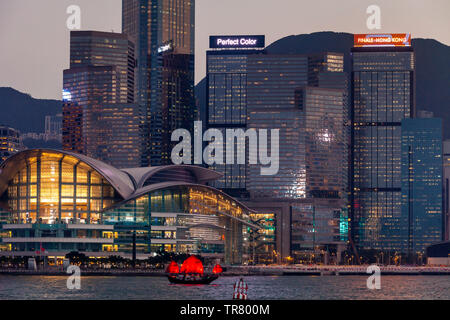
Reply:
x=185, y=142
x=42, y=62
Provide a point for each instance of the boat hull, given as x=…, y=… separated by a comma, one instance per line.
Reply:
x=205, y=279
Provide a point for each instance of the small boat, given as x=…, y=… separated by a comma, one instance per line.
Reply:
x=191, y=272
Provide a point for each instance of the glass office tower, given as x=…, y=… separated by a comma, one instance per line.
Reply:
x=272, y=82
x=101, y=74
x=163, y=31
x=285, y=92
x=423, y=221
x=325, y=141
x=227, y=107
x=94, y=48
x=304, y=97
x=383, y=95
x=113, y=134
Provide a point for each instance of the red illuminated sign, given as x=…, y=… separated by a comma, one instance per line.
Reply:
x=383, y=40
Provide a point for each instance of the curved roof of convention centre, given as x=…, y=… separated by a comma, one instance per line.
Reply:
x=141, y=175
x=127, y=182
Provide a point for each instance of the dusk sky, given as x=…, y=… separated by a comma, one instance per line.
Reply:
x=35, y=41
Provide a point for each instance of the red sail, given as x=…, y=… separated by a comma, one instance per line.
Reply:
x=173, y=268
x=217, y=269
x=192, y=265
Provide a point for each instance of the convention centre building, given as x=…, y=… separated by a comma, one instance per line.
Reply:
x=55, y=202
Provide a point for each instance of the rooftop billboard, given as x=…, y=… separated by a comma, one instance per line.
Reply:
x=383, y=40
x=236, y=42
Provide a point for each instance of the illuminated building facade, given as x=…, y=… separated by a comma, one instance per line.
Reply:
x=227, y=102
x=163, y=31
x=272, y=81
x=302, y=97
x=263, y=241
x=113, y=134
x=174, y=107
x=306, y=230
x=382, y=96
x=10, y=142
x=59, y=201
x=325, y=141
x=101, y=75
x=318, y=227
x=72, y=127
x=423, y=220
x=95, y=48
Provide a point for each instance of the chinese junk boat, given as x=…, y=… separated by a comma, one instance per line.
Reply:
x=191, y=272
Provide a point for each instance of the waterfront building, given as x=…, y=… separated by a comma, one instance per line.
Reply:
x=263, y=241
x=305, y=97
x=59, y=201
x=164, y=34
x=422, y=221
x=312, y=177
x=297, y=94
x=306, y=230
x=446, y=188
x=10, y=142
x=382, y=96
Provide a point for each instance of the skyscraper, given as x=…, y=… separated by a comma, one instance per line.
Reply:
x=113, y=133
x=106, y=49
x=163, y=31
x=302, y=97
x=382, y=96
x=284, y=93
x=227, y=101
x=422, y=219
x=272, y=82
x=101, y=74
x=325, y=141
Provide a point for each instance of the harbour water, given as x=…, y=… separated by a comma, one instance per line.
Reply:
x=259, y=287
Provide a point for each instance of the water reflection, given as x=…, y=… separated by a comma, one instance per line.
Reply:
x=288, y=287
